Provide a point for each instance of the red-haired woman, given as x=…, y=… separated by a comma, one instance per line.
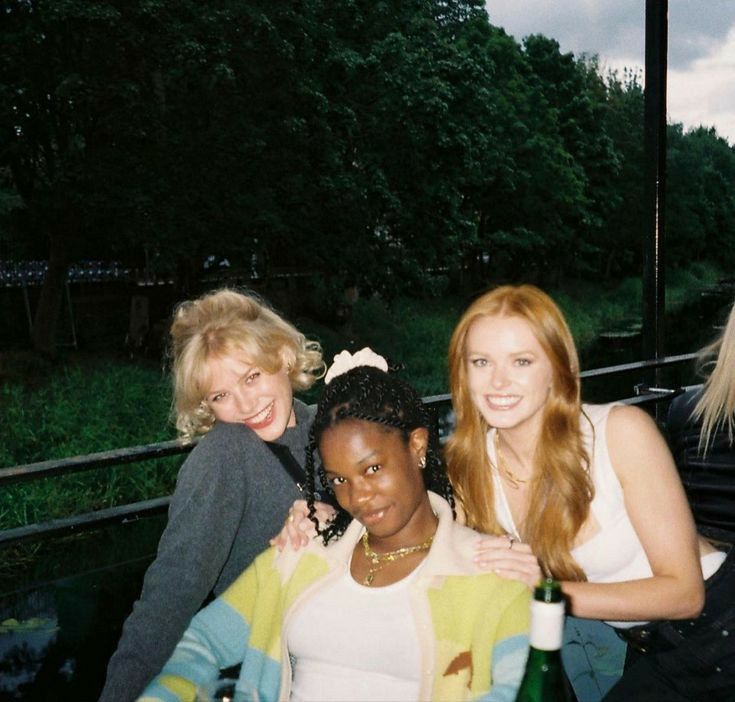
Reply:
x=586, y=493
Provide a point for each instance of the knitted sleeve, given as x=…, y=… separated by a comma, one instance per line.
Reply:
x=218, y=637
x=204, y=516
x=231, y=497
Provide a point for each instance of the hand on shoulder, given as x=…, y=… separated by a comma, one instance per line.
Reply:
x=507, y=557
x=298, y=529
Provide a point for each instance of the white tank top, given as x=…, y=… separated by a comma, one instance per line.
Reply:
x=615, y=553
x=352, y=643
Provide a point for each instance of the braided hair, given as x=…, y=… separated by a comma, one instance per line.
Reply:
x=372, y=395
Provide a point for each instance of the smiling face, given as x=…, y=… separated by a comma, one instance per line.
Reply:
x=509, y=374
x=242, y=393
x=375, y=475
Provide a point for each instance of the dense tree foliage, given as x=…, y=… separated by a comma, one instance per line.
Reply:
x=367, y=140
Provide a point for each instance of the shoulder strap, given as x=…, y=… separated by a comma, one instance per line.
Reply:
x=297, y=473
x=290, y=464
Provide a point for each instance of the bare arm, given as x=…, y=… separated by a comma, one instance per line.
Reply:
x=659, y=512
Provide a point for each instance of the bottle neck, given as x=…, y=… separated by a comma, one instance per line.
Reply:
x=546, y=661
x=547, y=625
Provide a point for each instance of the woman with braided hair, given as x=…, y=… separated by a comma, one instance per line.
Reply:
x=386, y=603
x=371, y=395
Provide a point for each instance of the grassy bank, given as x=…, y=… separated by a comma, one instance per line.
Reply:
x=89, y=404
x=591, y=309
x=83, y=406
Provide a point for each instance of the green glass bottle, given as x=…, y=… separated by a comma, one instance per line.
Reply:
x=544, y=679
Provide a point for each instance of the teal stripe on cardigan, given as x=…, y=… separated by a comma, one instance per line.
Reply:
x=213, y=640
x=509, y=662
x=263, y=670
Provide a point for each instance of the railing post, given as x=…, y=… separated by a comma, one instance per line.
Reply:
x=654, y=189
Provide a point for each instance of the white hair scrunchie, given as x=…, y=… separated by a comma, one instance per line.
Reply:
x=345, y=361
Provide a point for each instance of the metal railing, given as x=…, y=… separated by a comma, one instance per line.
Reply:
x=643, y=395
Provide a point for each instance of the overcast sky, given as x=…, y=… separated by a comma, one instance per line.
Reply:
x=701, y=81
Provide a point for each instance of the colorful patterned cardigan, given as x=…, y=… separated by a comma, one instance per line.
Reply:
x=472, y=626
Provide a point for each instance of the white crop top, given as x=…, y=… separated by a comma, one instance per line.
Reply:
x=615, y=553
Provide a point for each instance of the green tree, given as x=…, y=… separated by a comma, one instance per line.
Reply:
x=368, y=141
x=532, y=190
x=620, y=242
x=392, y=141
x=112, y=114
x=700, y=197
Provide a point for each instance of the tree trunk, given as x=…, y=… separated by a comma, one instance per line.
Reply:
x=609, y=264
x=52, y=295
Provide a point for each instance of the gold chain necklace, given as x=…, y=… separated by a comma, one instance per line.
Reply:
x=377, y=560
x=514, y=481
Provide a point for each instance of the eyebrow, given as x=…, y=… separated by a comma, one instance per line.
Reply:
x=248, y=370
x=514, y=353
x=368, y=457
x=365, y=459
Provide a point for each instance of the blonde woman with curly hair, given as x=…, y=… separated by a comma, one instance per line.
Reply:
x=236, y=365
x=586, y=493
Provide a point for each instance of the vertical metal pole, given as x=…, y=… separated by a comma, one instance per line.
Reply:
x=71, y=315
x=654, y=189
x=27, y=303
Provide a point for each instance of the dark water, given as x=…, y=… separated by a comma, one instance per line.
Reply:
x=62, y=607
x=62, y=603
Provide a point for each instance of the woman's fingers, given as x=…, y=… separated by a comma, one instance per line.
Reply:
x=498, y=544
x=291, y=532
x=509, y=558
x=527, y=572
x=528, y=579
x=526, y=563
x=298, y=528
x=324, y=512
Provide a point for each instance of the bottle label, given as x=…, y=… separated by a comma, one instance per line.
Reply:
x=547, y=625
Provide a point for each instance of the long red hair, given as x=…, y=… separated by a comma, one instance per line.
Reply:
x=561, y=491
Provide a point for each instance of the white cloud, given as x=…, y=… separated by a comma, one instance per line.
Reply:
x=697, y=29
x=583, y=26
x=705, y=92
x=701, y=46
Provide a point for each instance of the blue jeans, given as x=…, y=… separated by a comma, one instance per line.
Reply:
x=593, y=657
x=685, y=660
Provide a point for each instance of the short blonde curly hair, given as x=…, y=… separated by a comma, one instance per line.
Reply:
x=231, y=323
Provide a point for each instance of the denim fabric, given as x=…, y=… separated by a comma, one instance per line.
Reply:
x=686, y=660
x=593, y=657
